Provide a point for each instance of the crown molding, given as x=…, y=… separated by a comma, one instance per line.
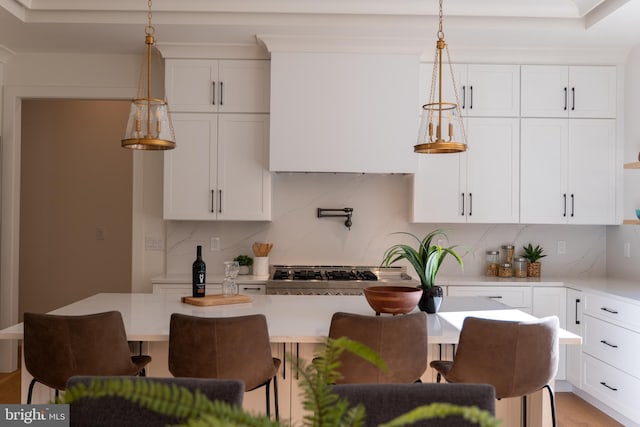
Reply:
x=287, y=43
x=213, y=50
x=534, y=55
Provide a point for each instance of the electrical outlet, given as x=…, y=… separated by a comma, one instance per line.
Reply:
x=562, y=247
x=215, y=244
x=153, y=244
x=627, y=250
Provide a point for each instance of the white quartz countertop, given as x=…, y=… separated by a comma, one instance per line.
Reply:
x=290, y=318
x=628, y=289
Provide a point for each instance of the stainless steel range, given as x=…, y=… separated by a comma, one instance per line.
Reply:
x=332, y=279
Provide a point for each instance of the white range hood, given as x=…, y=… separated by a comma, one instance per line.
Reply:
x=343, y=111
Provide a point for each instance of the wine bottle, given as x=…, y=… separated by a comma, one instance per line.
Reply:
x=199, y=271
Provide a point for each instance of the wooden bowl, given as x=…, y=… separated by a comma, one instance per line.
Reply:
x=392, y=299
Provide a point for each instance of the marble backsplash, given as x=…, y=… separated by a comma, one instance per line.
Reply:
x=382, y=206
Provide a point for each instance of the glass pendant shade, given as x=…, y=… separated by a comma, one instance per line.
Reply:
x=149, y=124
x=441, y=123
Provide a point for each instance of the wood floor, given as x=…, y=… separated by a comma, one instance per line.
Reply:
x=572, y=411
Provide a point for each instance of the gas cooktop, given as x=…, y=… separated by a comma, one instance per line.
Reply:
x=332, y=279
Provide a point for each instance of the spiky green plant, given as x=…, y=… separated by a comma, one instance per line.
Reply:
x=533, y=254
x=426, y=259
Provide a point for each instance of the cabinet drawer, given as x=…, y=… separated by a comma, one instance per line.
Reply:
x=613, y=309
x=612, y=387
x=251, y=289
x=612, y=344
x=512, y=296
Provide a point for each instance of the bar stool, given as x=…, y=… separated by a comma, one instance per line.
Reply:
x=58, y=347
x=401, y=341
x=517, y=358
x=225, y=348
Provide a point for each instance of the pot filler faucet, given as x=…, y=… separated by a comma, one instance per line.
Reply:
x=343, y=213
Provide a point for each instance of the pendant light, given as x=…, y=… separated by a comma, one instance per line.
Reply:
x=440, y=119
x=149, y=126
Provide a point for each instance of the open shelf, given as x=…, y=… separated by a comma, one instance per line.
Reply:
x=633, y=165
x=631, y=221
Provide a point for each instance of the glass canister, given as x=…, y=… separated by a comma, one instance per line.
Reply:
x=492, y=263
x=505, y=270
x=507, y=253
x=520, y=267
x=229, y=285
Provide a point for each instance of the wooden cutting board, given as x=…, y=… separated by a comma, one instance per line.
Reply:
x=216, y=299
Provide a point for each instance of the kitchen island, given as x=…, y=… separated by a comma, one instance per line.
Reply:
x=297, y=323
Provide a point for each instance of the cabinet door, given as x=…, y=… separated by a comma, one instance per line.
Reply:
x=192, y=85
x=545, y=91
x=211, y=86
x=543, y=172
x=592, y=92
x=574, y=324
x=188, y=178
x=438, y=195
x=244, y=86
x=244, y=181
x=492, y=91
x=591, y=164
x=548, y=301
x=492, y=180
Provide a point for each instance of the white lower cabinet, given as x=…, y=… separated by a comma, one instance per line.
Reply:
x=574, y=324
x=552, y=301
x=611, y=386
x=514, y=296
x=611, y=344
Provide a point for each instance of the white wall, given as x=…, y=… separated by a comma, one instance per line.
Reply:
x=618, y=236
x=381, y=206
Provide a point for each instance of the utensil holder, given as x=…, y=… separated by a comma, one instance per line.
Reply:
x=261, y=267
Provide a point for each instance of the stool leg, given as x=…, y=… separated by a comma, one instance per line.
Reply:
x=552, y=400
x=31, y=384
x=275, y=396
x=524, y=410
x=267, y=387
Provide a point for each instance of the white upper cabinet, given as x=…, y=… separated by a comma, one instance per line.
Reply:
x=218, y=86
x=567, y=171
x=478, y=186
x=343, y=112
x=483, y=90
x=568, y=91
x=219, y=168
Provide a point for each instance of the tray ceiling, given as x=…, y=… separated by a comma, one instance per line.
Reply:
x=116, y=26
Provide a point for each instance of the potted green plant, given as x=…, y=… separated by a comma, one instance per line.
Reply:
x=533, y=254
x=244, y=261
x=426, y=260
